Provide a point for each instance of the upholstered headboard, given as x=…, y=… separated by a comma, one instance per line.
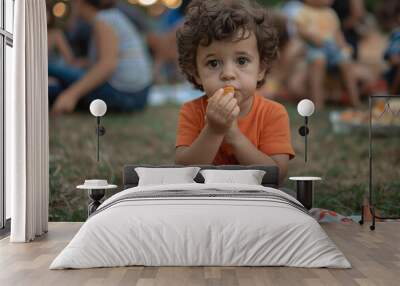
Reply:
x=270, y=179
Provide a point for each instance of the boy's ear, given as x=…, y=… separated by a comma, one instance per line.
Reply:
x=261, y=73
x=197, y=78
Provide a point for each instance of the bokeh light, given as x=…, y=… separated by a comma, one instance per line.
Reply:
x=59, y=9
x=147, y=2
x=172, y=4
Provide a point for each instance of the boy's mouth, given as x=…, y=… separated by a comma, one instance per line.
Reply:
x=229, y=89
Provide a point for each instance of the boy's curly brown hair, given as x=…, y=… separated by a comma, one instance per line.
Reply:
x=216, y=20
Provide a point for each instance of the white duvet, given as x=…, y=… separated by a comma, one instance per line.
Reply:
x=200, y=231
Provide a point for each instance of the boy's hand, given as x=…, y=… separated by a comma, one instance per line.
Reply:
x=221, y=111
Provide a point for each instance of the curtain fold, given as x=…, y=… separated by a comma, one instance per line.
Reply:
x=27, y=142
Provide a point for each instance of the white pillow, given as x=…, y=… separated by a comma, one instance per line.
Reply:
x=248, y=177
x=163, y=176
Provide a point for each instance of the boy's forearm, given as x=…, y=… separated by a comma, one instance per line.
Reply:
x=203, y=150
x=247, y=154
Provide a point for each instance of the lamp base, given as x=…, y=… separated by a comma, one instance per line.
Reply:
x=305, y=193
x=95, y=195
x=305, y=190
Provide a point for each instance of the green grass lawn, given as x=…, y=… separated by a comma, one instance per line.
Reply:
x=149, y=137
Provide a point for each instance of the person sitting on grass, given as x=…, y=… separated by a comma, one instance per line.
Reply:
x=389, y=17
x=319, y=26
x=226, y=49
x=120, y=71
x=59, y=50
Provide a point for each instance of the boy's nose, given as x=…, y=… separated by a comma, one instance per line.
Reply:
x=227, y=73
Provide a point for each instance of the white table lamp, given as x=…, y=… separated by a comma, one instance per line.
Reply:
x=98, y=108
x=305, y=188
x=305, y=108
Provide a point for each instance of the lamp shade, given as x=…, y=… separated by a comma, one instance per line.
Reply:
x=98, y=107
x=305, y=107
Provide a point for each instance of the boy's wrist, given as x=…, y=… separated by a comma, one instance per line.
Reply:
x=214, y=131
x=234, y=137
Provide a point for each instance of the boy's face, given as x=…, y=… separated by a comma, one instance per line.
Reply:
x=230, y=63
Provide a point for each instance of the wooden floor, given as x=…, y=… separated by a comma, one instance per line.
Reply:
x=375, y=257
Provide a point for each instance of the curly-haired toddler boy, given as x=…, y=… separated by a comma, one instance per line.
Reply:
x=230, y=43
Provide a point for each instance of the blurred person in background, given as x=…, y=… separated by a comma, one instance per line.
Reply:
x=290, y=9
x=292, y=53
x=137, y=16
x=351, y=14
x=319, y=26
x=288, y=66
x=59, y=50
x=162, y=43
x=78, y=31
x=388, y=14
x=119, y=70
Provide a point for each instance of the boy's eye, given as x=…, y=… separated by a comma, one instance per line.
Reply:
x=242, y=60
x=213, y=63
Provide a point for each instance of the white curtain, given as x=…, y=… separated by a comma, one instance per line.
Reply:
x=27, y=143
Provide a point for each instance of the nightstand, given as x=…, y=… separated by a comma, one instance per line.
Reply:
x=96, y=191
x=305, y=190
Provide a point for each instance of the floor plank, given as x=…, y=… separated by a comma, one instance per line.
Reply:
x=375, y=257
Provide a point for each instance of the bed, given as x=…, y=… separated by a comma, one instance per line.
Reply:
x=201, y=224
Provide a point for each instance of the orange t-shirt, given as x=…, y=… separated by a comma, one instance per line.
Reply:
x=266, y=126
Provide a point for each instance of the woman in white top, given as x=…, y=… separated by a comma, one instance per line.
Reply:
x=120, y=70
